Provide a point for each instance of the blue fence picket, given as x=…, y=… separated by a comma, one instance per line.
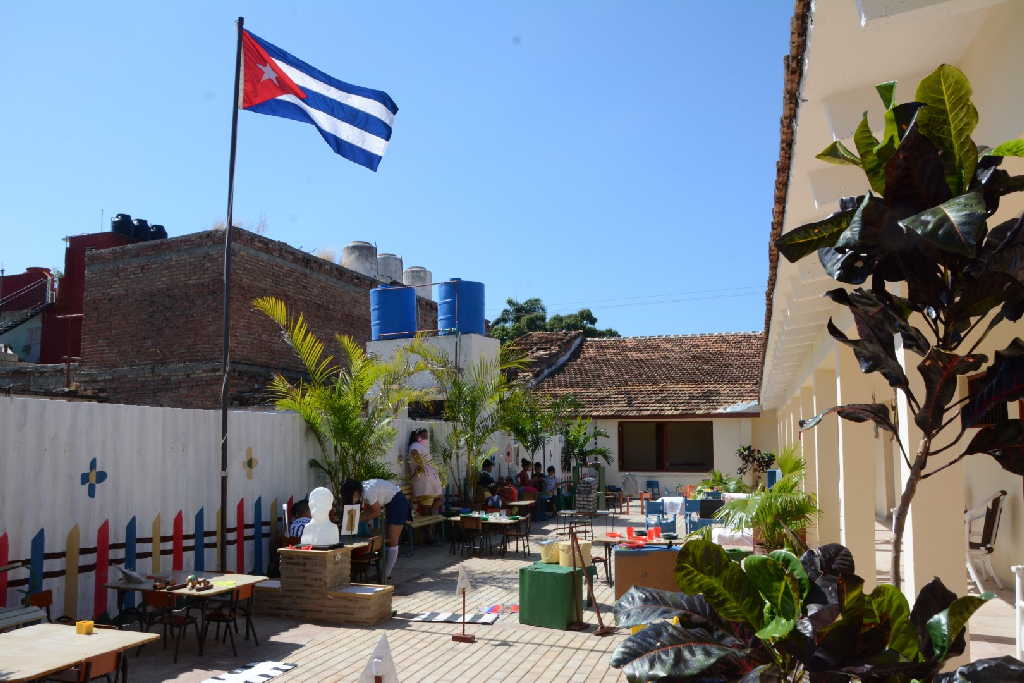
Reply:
x=199, y=554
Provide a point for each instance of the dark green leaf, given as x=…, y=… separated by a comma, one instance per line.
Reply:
x=849, y=267
x=1010, y=148
x=1002, y=382
x=945, y=626
x=807, y=239
x=892, y=611
x=703, y=567
x=838, y=153
x=856, y=412
x=665, y=649
x=940, y=371
x=794, y=567
x=639, y=606
x=871, y=357
x=777, y=586
x=878, y=317
x=886, y=91
x=1004, y=442
x=932, y=599
x=949, y=120
x=1003, y=669
x=956, y=226
x=914, y=175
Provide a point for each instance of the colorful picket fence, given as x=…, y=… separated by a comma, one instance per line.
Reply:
x=185, y=550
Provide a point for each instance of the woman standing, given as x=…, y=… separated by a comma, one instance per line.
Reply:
x=377, y=496
x=426, y=482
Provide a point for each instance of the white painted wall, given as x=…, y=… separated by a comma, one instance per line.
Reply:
x=157, y=461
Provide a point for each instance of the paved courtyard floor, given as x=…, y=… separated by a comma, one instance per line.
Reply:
x=505, y=651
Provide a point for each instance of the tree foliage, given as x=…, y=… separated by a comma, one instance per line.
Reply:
x=522, y=317
x=350, y=407
x=924, y=225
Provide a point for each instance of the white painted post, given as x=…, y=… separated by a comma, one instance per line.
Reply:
x=826, y=454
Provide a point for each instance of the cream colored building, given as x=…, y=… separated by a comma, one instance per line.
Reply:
x=840, y=50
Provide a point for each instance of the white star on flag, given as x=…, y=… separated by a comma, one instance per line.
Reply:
x=268, y=74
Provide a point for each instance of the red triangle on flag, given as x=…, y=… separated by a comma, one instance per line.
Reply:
x=263, y=79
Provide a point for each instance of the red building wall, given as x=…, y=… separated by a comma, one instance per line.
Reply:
x=153, y=315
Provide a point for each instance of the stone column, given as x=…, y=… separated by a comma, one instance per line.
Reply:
x=935, y=540
x=826, y=456
x=806, y=441
x=858, y=444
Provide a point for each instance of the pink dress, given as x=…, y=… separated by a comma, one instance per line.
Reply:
x=426, y=483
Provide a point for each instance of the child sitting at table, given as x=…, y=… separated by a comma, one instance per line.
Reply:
x=493, y=501
x=508, y=492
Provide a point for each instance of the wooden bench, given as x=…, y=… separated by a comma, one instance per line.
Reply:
x=13, y=617
x=419, y=523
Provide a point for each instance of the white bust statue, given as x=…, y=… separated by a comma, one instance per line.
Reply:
x=320, y=530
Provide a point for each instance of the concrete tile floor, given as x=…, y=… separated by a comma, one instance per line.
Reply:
x=506, y=651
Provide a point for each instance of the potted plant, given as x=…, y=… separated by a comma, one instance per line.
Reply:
x=754, y=461
x=779, y=516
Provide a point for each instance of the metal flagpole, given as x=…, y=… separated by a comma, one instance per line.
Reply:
x=226, y=359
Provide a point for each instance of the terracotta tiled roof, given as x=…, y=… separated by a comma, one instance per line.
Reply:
x=700, y=374
x=542, y=350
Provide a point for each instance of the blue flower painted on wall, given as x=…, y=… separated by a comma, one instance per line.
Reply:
x=93, y=477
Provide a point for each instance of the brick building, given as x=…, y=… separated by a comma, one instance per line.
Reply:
x=151, y=329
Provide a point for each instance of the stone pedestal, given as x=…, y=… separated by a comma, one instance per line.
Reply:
x=315, y=586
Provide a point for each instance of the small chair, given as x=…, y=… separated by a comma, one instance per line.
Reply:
x=980, y=551
x=473, y=537
x=1018, y=607
x=370, y=557
x=101, y=666
x=654, y=488
x=162, y=609
x=518, y=532
x=43, y=600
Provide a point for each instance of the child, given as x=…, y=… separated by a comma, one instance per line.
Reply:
x=508, y=492
x=525, y=474
x=494, y=500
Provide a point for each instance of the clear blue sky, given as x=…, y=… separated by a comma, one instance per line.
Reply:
x=616, y=155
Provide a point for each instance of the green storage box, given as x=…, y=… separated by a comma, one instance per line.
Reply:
x=546, y=595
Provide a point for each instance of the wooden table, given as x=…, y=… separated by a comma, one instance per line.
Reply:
x=520, y=504
x=36, y=651
x=131, y=615
x=493, y=520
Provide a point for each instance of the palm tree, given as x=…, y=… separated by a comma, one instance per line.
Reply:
x=779, y=514
x=473, y=400
x=578, y=435
x=349, y=407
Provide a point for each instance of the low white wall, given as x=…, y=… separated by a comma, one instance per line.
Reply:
x=154, y=462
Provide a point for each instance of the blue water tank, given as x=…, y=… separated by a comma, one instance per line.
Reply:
x=392, y=312
x=460, y=307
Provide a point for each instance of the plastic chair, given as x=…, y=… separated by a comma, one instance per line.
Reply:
x=42, y=599
x=980, y=551
x=654, y=488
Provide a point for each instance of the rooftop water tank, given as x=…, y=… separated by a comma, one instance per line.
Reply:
x=460, y=307
x=121, y=224
x=389, y=268
x=392, y=312
x=140, y=228
x=360, y=257
x=157, y=232
x=420, y=278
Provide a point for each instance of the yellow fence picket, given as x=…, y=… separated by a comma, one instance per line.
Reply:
x=71, y=573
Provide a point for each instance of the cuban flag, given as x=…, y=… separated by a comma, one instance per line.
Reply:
x=355, y=121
